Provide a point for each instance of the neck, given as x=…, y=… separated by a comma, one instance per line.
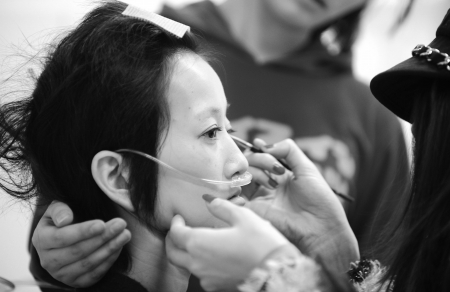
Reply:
x=264, y=36
x=150, y=266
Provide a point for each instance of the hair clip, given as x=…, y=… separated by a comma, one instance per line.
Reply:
x=166, y=24
x=442, y=60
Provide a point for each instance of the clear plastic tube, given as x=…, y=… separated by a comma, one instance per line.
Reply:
x=236, y=181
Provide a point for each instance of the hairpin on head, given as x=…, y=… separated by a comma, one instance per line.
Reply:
x=169, y=25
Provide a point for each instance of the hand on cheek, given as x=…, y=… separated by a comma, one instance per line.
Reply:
x=222, y=258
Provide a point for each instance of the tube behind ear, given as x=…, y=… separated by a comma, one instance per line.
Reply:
x=111, y=175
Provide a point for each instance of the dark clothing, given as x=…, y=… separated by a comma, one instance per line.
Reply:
x=115, y=282
x=313, y=98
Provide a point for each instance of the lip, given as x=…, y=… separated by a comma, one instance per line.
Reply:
x=236, y=193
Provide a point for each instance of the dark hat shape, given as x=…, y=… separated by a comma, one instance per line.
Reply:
x=394, y=88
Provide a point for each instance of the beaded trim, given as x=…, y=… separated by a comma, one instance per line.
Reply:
x=360, y=270
x=442, y=60
x=366, y=275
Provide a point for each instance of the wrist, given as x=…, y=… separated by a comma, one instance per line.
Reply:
x=339, y=249
x=284, y=269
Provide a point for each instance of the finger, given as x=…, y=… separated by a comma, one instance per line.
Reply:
x=265, y=161
x=177, y=256
x=291, y=153
x=95, y=275
x=60, y=213
x=228, y=212
x=261, y=177
x=91, y=262
x=80, y=250
x=179, y=233
x=71, y=234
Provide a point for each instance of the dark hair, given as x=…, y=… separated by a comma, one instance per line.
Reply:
x=418, y=258
x=102, y=88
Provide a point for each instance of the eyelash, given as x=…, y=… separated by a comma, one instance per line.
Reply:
x=215, y=130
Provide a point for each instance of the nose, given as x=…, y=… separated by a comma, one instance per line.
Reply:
x=236, y=163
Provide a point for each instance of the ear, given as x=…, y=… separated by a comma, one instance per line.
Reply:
x=111, y=175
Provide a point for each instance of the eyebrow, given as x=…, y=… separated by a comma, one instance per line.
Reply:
x=211, y=111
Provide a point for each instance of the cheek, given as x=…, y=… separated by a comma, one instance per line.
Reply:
x=195, y=212
x=185, y=199
x=202, y=163
x=195, y=158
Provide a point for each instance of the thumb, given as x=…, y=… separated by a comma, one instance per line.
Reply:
x=179, y=233
x=60, y=214
x=286, y=223
x=225, y=210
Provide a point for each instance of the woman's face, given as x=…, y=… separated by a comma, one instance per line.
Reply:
x=310, y=13
x=197, y=143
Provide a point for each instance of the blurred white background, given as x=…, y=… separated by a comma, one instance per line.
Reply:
x=376, y=50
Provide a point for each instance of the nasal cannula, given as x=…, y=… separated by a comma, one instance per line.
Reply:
x=236, y=180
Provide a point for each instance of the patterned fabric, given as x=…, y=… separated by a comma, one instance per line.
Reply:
x=303, y=274
x=299, y=274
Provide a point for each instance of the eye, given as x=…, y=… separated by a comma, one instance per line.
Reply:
x=231, y=131
x=212, y=134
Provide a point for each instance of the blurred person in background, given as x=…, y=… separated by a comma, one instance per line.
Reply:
x=287, y=70
x=286, y=67
x=416, y=242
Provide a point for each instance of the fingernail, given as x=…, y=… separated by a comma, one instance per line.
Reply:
x=61, y=218
x=208, y=198
x=273, y=183
x=278, y=168
x=96, y=228
x=269, y=146
x=117, y=226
